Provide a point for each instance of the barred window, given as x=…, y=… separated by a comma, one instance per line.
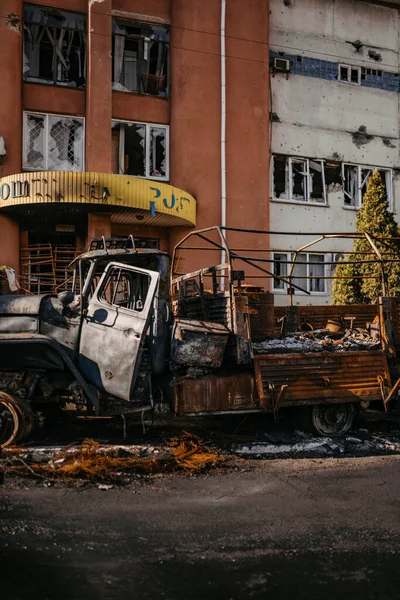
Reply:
x=53, y=143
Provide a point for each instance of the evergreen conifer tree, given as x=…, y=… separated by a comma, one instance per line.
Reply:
x=375, y=219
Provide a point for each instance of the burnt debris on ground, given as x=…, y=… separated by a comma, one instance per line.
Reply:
x=96, y=463
x=205, y=446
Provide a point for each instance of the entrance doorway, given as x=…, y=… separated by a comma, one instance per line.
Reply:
x=45, y=260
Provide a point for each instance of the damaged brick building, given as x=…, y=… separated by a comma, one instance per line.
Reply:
x=110, y=120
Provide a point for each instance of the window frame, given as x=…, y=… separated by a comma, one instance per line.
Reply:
x=42, y=80
x=141, y=40
x=289, y=179
x=350, y=69
x=359, y=196
x=25, y=166
x=148, y=127
x=307, y=282
x=99, y=291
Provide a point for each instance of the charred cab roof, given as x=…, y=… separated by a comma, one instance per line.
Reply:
x=113, y=253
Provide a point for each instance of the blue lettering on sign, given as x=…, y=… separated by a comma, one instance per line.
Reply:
x=166, y=204
x=169, y=203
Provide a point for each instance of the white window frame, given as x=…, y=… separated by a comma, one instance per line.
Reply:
x=305, y=283
x=148, y=127
x=350, y=69
x=358, y=198
x=25, y=139
x=289, y=178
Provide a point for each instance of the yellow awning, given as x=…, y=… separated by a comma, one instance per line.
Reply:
x=126, y=198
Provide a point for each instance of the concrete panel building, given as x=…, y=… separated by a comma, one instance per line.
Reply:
x=334, y=119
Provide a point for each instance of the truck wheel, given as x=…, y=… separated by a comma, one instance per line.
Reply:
x=27, y=420
x=10, y=420
x=332, y=420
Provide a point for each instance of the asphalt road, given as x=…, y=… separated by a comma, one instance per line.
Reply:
x=298, y=529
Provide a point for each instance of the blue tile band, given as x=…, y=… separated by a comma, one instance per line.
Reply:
x=371, y=76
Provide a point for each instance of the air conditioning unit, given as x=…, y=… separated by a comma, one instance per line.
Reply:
x=281, y=65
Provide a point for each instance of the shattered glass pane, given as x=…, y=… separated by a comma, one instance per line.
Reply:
x=54, y=46
x=140, y=57
x=316, y=271
x=65, y=144
x=355, y=76
x=300, y=271
x=333, y=174
x=280, y=269
x=350, y=185
x=34, y=143
x=344, y=73
x=281, y=177
x=135, y=149
x=299, y=177
x=158, y=154
x=317, y=192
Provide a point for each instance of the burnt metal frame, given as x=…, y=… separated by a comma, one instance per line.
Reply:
x=232, y=255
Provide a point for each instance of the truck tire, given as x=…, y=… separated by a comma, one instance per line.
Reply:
x=330, y=420
x=27, y=420
x=10, y=420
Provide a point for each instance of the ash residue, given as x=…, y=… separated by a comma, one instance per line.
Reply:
x=352, y=340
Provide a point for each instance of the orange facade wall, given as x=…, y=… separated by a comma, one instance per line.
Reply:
x=247, y=125
x=149, y=8
x=74, y=5
x=10, y=77
x=195, y=108
x=98, y=91
x=136, y=107
x=53, y=99
x=196, y=116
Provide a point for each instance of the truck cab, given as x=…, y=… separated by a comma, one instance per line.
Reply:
x=99, y=344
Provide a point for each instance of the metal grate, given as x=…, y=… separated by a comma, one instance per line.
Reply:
x=64, y=135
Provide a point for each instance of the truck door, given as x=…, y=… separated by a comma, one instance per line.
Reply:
x=115, y=326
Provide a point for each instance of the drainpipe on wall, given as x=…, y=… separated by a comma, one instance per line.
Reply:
x=223, y=130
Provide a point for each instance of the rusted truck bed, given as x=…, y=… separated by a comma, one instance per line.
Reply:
x=293, y=379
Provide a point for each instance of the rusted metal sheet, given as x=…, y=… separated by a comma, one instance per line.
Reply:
x=261, y=310
x=244, y=350
x=216, y=393
x=198, y=343
x=334, y=377
x=318, y=316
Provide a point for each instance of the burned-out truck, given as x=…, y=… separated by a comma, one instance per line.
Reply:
x=132, y=324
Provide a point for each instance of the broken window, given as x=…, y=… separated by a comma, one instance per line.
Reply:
x=355, y=182
x=333, y=174
x=54, y=46
x=125, y=288
x=140, y=149
x=53, y=143
x=350, y=74
x=299, y=179
x=140, y=57
x=308, y=271
x=280, y=269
